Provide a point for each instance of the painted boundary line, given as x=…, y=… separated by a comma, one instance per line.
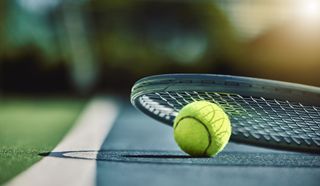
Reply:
x=88, y=133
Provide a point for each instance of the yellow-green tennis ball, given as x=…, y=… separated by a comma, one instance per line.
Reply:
x=202, y=128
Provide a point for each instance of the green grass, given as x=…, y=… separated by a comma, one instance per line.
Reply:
x=32, y=126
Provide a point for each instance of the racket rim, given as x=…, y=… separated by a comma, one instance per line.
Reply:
x=223, y=77
x=155, y=83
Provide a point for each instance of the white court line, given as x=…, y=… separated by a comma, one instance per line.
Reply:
x=88, y=134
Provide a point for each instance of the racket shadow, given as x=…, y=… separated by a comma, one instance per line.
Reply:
x=148, y=156
x=104, y=155
x=230, y=159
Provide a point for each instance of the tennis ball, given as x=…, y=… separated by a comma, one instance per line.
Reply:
x=202, y=128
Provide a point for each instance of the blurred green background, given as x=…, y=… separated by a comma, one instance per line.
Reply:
x=55, y=54
x=89, y=46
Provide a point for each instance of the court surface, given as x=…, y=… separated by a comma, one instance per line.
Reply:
x=138, y=150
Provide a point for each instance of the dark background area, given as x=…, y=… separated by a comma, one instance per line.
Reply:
x=87, y=47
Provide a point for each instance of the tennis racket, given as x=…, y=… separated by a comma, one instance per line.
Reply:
x=262, y=112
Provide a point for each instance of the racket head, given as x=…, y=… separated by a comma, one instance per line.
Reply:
x=262, y=112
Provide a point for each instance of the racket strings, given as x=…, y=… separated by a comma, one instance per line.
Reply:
x=255, y=117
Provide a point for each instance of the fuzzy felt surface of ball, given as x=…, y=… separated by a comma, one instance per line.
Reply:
x=202, y=129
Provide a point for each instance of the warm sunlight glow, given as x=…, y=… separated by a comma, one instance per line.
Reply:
x=310, y=10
